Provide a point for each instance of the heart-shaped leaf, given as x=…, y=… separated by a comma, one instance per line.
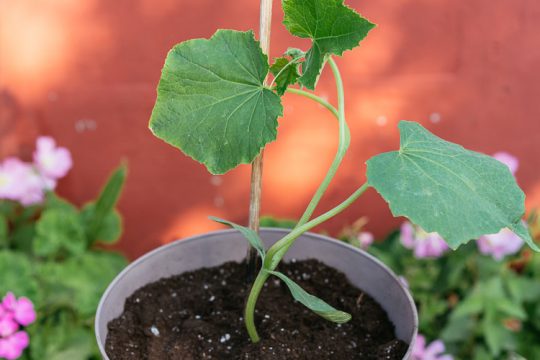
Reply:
x=212, y=103
x=313, y=303
x=333, y=27
x=447, y=189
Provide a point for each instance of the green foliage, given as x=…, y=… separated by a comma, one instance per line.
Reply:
x=110, y=225
x=16, y=275
x=59, y=231
x=212, y=103
x=313, y=303
x=286, y=72
x=481, y=308
x=49, y=257
x=251, y=235
x=3, y=231
x=447, y=189
x=332, y=26
x=101, y=220
x=62, y=336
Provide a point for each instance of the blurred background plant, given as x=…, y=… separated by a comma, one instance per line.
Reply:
x=480, y=305
x=52, y=252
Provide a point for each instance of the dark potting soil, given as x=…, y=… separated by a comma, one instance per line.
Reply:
x=199, y=315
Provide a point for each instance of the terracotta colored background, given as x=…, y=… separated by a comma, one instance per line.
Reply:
x=85, y=71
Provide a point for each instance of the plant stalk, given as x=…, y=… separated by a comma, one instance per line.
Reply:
x=316, y=98
x=249, y=311
x=276, y=252
x=344, y=141
x=257, y=165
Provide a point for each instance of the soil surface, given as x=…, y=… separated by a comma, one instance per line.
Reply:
x=198, y=315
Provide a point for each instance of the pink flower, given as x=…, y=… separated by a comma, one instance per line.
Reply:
x=13, y=314
x=425, y=245
x=505, y=242
x=22, y=310
x=365, y=239
x=434, y=351
x=52, y=162
x=8, y=325
x=509, y=160
x=12, y=347
x=20, y=182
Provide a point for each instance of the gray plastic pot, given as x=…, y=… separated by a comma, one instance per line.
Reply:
x=216, y=248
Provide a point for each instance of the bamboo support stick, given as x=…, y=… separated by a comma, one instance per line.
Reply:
x=257, y=165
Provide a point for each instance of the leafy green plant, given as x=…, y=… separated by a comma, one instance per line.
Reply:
x=52, y=253
x=214, y=105
x=482, y=307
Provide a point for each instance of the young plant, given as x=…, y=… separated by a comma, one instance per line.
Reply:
x=213, y=105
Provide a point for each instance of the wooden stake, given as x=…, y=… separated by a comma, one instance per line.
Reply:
x=257, y=165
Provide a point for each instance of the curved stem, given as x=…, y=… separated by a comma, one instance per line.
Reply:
x=344, y=140
x=316, y=98
x=276, y=252
x=249, y=312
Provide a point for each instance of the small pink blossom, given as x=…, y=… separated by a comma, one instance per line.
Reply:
x=14, y=313
x=9, y=302
x=52, y=162
x=12, y=347
x=8, y=326
x=505, y=242
x=22, y=310
x=20, y=182
x=434, y=351
x=365, y=239
x=26, y=182
x=509, y=160
x=424, y=244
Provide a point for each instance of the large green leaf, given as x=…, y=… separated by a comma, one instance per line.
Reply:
x=313, y=303
x=447, y=189
x=333, y=27
x=212, y=103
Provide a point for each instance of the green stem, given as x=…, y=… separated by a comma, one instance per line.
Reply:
x=344, y=141
x=276, y=252
x=249, y=312
x=316, y=98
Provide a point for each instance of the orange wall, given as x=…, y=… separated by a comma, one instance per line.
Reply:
x=85, y=72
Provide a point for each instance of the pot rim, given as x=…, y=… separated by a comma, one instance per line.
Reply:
x=334, y=241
